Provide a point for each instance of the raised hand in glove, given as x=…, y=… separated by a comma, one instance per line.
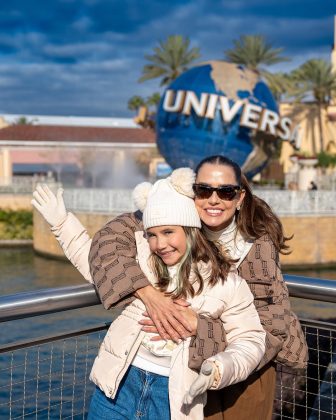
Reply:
x=202, y=383
x=51, y=206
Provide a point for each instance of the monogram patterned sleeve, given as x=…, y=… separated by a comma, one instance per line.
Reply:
x=112, y=258
x=284, y=336
x=209, y=340
x=261, y=270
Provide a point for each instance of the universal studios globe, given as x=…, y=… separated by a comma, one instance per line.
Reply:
x=203, y=113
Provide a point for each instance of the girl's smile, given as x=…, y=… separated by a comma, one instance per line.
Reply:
x=168, y=242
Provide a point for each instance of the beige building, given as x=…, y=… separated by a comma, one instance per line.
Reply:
x=306, y=116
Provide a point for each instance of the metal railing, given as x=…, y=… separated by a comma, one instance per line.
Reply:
x=116, y=201
x=48, y=377
x=45, y=301
x=283, y=202
x=23, y=184
x=99, y=200
x=300, y=202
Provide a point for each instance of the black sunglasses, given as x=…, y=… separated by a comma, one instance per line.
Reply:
x=225, y=192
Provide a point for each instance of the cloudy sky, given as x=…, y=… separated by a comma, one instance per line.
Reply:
x=84, y=57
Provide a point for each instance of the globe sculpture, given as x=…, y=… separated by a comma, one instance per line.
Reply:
x=203, y=113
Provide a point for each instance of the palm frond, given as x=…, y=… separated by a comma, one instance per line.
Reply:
x=253, y=52
x=169, y=59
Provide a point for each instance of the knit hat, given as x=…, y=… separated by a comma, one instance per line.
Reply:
x=169, y=201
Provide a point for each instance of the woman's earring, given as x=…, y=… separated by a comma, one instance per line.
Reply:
x=238, y=207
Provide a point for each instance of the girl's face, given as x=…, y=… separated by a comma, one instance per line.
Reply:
x=215, y=212
x=168, y=242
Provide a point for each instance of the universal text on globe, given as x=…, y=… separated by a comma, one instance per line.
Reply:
x=252, y=116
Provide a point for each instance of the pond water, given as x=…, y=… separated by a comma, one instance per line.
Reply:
x=21, y=270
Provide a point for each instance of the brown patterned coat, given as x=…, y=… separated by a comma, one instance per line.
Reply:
x=285, y=341
x=117, y=276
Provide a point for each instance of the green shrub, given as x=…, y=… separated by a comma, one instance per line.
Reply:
x=16, y=224
x=326, y=160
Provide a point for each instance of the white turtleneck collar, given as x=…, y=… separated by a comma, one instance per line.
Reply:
x=173, y=283
x=231, y=239
x=214, y=235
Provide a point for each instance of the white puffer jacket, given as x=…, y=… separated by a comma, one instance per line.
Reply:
x=232, y=302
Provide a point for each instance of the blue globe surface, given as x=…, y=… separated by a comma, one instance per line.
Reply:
x=184, y=140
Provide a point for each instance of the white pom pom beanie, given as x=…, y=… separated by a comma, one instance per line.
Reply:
x=167, y=206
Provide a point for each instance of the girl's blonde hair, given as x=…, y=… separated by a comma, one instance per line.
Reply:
x=199, y=249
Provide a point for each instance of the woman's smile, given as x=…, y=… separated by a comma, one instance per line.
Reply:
x=215, y=212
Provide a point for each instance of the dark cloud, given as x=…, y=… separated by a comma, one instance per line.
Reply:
x=84, y=57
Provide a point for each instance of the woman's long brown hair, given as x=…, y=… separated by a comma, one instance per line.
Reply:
x=255, y=217
x=198, y=249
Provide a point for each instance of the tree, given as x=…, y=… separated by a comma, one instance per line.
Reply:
x=153, y=100
x=280, y=85
x=135, y=103
x=23, y=121
x=171, y=58
x=315, y=79
x=254, y=52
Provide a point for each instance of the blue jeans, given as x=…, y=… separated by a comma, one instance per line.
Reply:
x=141, y=394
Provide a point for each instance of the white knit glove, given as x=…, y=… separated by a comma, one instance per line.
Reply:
x=51, y=206
x=202, y=383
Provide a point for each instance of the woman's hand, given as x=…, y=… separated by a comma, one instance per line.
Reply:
x=166, y=316
x=189, y=318
x=51, y=206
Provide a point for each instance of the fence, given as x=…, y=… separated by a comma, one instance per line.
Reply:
x=47, y=378
x=283, y=202
x=22, y=184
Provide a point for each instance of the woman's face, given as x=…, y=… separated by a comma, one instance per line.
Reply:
x=217, y=213
x=168, y=242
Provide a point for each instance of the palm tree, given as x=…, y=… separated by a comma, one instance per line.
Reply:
x=135, y=103
x=315, y=79
x=153, y=100
x=253, y=52
x=171, y=58
x=280, y=84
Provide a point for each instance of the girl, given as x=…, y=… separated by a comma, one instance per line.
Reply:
x=135, y=374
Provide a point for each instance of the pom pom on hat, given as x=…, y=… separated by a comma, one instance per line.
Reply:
x=169, y=201
x=140, y=195
x=182, y=180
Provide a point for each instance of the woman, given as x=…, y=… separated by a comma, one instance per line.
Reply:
x=133, y=373
x=252, y=234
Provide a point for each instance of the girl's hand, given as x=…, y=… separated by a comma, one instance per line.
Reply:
x=203, y=382
x=51, y=206
x=189, y=315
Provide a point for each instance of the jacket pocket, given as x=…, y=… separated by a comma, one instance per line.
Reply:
x=121, y=336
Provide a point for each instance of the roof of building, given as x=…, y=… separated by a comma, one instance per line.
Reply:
x=77, y=134
x=72, y=121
